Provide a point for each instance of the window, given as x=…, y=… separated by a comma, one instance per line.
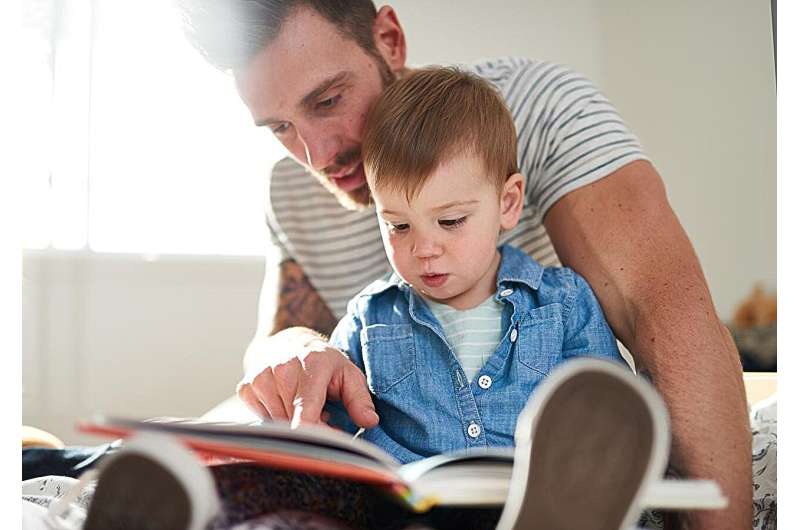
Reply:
x=148, y=148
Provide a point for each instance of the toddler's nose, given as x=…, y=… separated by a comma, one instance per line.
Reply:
x=426, y=248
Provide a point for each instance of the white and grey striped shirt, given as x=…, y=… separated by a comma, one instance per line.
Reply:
x=569, y=135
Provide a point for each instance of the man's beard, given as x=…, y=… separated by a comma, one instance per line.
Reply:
x=357, y=199
x=360, y=198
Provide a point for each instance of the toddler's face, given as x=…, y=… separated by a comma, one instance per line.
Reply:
x=444, y=243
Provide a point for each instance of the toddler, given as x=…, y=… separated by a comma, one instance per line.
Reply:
x=457, y=338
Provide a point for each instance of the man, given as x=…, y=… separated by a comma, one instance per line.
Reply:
x=309, y=70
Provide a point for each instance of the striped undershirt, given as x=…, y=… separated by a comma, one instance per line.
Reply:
x=473, y=334
x=569, y=135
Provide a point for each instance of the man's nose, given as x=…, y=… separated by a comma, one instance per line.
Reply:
x=321, y=145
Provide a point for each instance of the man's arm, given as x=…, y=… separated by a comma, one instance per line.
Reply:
x=621, y=234
x=288, y=300
x=290, y=370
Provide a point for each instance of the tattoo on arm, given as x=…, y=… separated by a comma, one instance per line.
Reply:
x=299, y=304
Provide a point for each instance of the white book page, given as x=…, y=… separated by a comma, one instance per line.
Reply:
x=260, y=435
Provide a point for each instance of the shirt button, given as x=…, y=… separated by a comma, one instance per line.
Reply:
x=484, y=381
x=474, y=430
x=506, y=292
x=514, y=335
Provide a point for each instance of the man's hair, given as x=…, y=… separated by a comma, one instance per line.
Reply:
x=230, y=33
x=424, y=119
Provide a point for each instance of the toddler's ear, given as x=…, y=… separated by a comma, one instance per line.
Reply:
x=512, y=199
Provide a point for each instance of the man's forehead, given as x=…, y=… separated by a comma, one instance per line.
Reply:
x=307, y=52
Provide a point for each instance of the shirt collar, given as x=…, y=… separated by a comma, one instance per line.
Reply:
x=516, y=266
x=388, y=281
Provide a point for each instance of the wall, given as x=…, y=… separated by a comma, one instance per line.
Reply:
x=693, y=79
x=125, y=334
x=464, y=30
x=697, y=83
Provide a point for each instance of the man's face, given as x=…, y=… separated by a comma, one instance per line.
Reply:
x=312, y=87
x=444, y=242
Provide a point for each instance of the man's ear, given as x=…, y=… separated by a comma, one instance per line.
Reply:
x=512, y=198
x=389, y=38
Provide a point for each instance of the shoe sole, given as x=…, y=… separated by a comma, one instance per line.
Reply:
x=598, y=435
x=136, y=493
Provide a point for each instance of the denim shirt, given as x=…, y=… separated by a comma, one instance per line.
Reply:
x=425, y=402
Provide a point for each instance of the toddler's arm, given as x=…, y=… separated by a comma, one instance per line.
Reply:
x=345, y=337
x=586, y=331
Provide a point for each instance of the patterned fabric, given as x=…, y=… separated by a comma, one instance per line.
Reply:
x=569, y=135
x=262, y=498
x=290, y=520
x=249, y=492
x=764, y=427
x=45, y=490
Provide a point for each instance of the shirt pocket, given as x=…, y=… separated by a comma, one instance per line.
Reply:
x=389, y=355
x=541, y=338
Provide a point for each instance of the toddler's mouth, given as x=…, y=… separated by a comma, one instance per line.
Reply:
x=434, y=280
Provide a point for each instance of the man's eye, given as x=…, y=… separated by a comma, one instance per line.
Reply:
x=328, y=103
x=280, y=129
x=452, y=223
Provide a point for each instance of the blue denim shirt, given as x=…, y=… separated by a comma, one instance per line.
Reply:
x=425, y=402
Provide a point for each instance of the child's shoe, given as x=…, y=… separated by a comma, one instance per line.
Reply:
x=589, y=441
x=153, y=483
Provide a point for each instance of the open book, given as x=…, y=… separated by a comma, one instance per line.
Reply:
x=463, y=478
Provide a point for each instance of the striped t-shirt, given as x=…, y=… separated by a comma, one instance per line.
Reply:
x=568, y=134
x=472, y=334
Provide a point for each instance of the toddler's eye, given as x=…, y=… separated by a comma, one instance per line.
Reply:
x=452, y=223
x=399, y=227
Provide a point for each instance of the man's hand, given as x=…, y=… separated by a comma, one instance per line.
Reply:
x=300, y=372
x=289, y=369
